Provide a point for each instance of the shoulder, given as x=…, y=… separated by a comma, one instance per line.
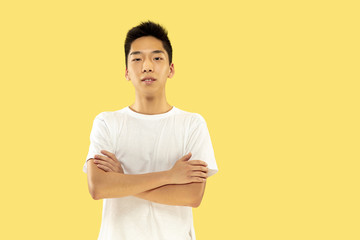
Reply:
x=192, y=118
x=104, y=116
x=199, y=118
x=110, y=118
x=110, y=115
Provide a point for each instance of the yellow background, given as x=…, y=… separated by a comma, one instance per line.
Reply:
x=276, y=81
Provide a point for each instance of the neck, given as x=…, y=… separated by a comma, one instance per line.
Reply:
x=150, y=104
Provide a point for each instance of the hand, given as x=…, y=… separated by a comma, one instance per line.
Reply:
x=108, y=163
x=185, y=171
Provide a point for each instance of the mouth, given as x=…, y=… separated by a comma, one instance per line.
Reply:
x=148, y=80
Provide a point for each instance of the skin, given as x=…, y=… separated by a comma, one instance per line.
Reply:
x=183, y=185
x=149, y=99
x=109, y=163
x=186, y=180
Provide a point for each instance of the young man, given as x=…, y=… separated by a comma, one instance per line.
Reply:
x=149, y=161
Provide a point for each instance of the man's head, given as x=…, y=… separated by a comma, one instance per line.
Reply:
x=148, y=57
x=148, y=28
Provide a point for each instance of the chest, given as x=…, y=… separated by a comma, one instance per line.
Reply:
x=150, y=146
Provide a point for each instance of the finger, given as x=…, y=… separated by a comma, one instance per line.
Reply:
x=102, y=158
x=105, y=158
x=187, y=156
x=199, y=174
x=99, y=157
x=198, y=179
x=105, y=168
x=105, y=163
x=200, y=168
x=198, y=162
x=109, y=154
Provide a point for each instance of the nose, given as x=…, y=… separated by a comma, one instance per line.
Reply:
x=147, y=66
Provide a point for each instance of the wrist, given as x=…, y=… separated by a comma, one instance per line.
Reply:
x=167, y=177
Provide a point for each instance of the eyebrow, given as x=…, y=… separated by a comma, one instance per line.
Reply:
x=155, y=51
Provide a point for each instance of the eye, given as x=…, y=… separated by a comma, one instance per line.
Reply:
x=136, y=59
x=158, y=58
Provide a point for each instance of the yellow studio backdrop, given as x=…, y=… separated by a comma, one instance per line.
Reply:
x=276, y=81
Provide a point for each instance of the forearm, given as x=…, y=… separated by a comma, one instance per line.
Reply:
x=189, y=194
x=185, y=183
x=116, y=185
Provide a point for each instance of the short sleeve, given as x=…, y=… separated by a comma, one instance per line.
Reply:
x=99, y=139
x=200, y=145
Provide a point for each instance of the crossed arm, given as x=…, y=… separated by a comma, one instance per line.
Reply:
x=106, y=179
x=189, y=194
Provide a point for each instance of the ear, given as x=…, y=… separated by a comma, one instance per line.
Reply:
x=127, y=74
x=171, y=70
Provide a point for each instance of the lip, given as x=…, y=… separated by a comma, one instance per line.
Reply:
x=152, y=79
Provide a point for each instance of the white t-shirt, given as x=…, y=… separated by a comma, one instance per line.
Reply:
x=144, y=144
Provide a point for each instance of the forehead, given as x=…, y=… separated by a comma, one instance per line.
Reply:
x=146, y=45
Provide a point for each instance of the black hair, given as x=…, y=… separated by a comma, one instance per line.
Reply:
x=148, y=28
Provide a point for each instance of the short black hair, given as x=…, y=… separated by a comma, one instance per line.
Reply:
x=148, y=28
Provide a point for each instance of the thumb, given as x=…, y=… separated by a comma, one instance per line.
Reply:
x=187, y=157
